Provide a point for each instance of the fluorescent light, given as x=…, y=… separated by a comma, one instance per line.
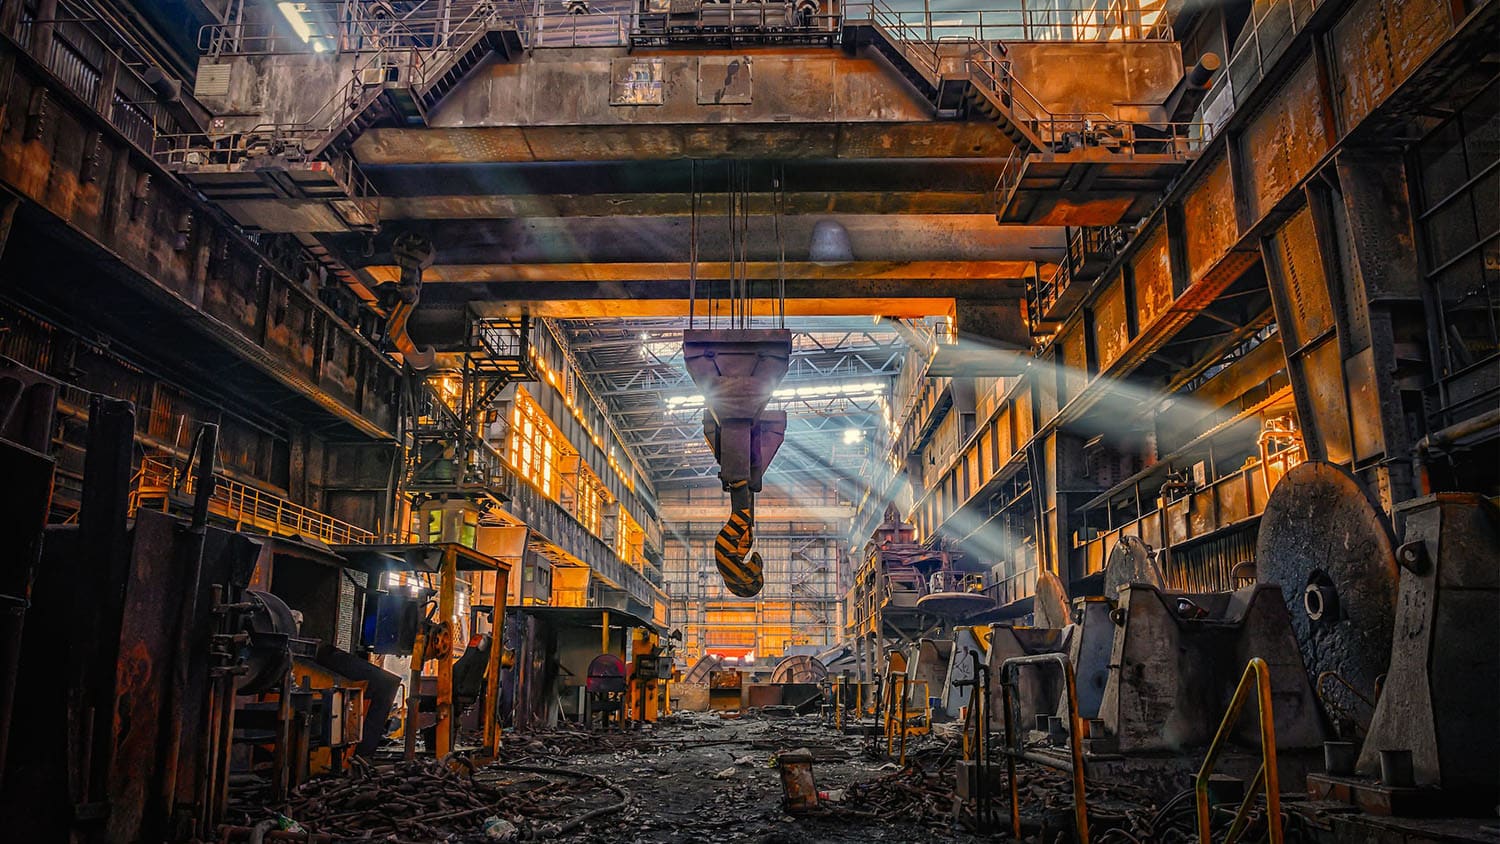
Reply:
x=318, y=47
x=293, y=14
x=853, y=435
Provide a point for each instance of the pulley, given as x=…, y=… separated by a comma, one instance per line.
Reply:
x=1331, y=551
x=268, y=654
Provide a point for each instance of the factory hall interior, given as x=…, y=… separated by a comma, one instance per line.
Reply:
x=761, y=421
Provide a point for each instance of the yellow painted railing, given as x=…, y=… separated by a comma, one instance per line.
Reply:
x=1257, y=676
x=1015, y=751
x=245, y=505
x=899, y=717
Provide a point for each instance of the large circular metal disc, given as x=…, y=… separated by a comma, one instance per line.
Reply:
x=1131, y=562
x=268, y=657
x=799, y=668
x=1049, y=606
x=1330, y=550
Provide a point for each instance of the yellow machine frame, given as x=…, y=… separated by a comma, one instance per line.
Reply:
x=455, y=557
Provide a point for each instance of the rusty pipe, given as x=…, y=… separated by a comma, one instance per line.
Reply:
x=1440, y=439
x=1202, y=73
x=413, y=696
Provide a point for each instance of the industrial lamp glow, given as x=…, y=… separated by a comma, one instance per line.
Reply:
x=293, y=14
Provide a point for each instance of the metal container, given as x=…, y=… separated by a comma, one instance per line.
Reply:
x=1339, y=758
x=1396, y=769
x=798, y=791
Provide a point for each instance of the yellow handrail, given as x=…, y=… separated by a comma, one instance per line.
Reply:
x=1260, y=673
x=247, y=505
x=1075, y=741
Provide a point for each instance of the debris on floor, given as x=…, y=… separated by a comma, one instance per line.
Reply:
x=693, y=778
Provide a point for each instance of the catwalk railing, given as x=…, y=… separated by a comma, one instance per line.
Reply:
x=158, y=482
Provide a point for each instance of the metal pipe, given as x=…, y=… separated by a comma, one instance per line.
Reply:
x=491, y=717
x=1242, y=814
x=282, y=774
x=447, y=608
x=1437, y=440
x=1010, y=759
x=190, y=561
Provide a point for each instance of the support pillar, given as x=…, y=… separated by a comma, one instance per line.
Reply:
x=447, y=608
x=1345, y=287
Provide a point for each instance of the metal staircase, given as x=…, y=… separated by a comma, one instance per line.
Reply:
x=957, y=74
x=1065, y=168
x=400, y=86
x=403, y=68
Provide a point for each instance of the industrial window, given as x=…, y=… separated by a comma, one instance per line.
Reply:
x=1457, y=195
x=533, y=444
x=630, y=541
x=592, y=496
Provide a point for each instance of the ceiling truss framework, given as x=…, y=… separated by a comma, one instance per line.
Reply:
x=834, y=394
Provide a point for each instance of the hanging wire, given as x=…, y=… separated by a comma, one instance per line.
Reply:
x=778, y=198
x=692, y=243
x=745, y=309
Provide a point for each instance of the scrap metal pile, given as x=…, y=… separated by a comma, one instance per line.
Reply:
x=428, y=801
x=923, y=795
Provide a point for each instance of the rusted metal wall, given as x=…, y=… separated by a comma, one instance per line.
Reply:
x=1285, y=139
x=1111, y=323
x=1211, y=226
x=1258, y=185
x=1377, y=44
x=172, y=253
x=1151, y=270
x=1114, y=78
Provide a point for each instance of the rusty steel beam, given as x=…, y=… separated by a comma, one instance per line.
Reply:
x=1008, y=274
x=625, y=204
x=604, y=305
x=612, y=142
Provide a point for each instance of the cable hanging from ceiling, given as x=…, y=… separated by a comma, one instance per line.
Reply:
x=738, y=303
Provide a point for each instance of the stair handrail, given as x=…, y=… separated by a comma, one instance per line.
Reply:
x=905, y=36
x=1257, y=676
x=244, y=503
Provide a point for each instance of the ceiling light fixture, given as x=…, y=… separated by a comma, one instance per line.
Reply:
x=293, y=14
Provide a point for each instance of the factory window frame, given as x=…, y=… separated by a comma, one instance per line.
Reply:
x=630, y=541
x=534, y=445
x=1455, y=192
